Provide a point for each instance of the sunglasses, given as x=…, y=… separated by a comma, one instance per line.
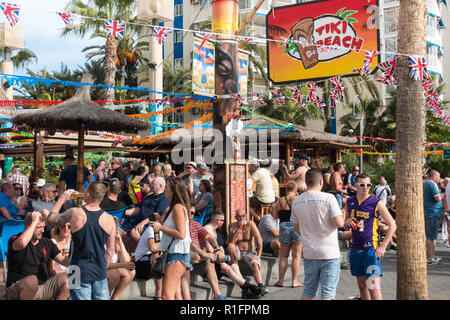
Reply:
x=17, y=188
x=362, y=185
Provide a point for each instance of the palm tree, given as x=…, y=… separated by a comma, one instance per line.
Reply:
x=102, y=9
x=411, y=259
x=178, y=79
x=22, y=58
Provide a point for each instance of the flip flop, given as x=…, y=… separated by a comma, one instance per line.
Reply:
x=278, y=285
x=298, y=286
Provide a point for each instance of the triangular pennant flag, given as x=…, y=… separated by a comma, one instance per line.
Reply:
x=161, y=33
x=11, y=11
x=66, y=17
x=115, y=28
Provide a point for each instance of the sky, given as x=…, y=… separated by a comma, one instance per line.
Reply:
x=42, y=35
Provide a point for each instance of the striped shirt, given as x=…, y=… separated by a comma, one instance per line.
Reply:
x=197, y=232
x=23, y=180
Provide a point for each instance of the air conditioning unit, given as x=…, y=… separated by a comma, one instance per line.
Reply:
x=195, y=110
x=195, y=1
x=162, y=10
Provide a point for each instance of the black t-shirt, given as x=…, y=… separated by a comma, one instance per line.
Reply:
x=120, y=174
x=32, y=260
x=125, y=198
x=69, y=175
x=110, y=205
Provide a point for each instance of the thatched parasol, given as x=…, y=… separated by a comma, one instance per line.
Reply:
x=79, y=113
x=4, y=139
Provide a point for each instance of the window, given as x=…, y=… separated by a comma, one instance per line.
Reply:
x=391, y=20
x=207, y=5
x=178, y=36
x=178, y=10
x=245, y=4
x=179, y=63
x=391, y=44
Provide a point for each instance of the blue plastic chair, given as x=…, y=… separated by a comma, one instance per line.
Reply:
x=118, y=214
x=11, y=227
x=204, y=216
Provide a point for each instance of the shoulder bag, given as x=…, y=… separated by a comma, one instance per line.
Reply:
x=158, y=269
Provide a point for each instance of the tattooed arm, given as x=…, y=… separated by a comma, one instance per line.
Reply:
x=54, y=219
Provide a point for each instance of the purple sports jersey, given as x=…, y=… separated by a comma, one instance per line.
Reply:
x=366, y=235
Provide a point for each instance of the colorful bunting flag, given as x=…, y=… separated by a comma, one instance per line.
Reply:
x=11, y=11
x=418, y=68
x=388, y=70
x=280, y=100
x=311, y=88
x=428, y=85
x=258, y=98
x=66, y=17
x=338, y=87
x=368, y=58
x=334, y=98
x=115, y=28
x=161, y=33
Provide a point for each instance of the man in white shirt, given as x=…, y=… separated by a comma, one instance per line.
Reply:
x=382, y=191
x=264, y=193
x=316, y=216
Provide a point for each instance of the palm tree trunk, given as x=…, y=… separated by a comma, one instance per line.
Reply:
x=110, y=66
x=411, y=259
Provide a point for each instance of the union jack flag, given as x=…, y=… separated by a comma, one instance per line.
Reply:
x=66, y=132
x=14, y=128
x=206, y=37
x=320, y=104
x=276, y=92
x=388, y=70
x=297, y=97
x=161, y=33
x=387, y=80
x=311, y=88
x=115, y=143
x=258, y=98
x=238, y=98
x=446, y=121
x=338, y=87
x=11, y=12
x=428, y=85
x=247, y=39
x=280, y=100
x=115, y=28
x=418, y=67
x=66, y=17
x=368, y=58
x=334, y=98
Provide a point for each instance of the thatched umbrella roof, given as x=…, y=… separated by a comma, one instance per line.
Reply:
x=298, y=134
x=80, y=110
x=4, y=139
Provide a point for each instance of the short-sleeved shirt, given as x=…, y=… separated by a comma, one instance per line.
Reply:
x=267, y=223
x=314, y=212
x=110, y=205
x=99, y=174
x=197, y=232
x=32, y=260
x=431, y=206
x=142, y=246
x=39, y=205
x=382, y=192
x=264, y=188
x=5, y=202
x=153, y=204
x=69, y=175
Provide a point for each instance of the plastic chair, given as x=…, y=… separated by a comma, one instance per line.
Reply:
x=202, y=218
x=11, y=227
x=118, y=214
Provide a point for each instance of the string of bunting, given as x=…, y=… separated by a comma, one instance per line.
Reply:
x=16, y=80
x=184, y=109
x=437, y=152
x=393, y=140
x=169, y=133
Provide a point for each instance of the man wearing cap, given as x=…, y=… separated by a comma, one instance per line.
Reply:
x=49, y=194
x=188, y=176
x=299, y=174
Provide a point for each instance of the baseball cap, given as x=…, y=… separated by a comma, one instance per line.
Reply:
x=191, y=163
x=40, y=183
x=202, y=165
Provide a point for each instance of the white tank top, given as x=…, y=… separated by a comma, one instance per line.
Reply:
x=57, y=266
x=177, y=246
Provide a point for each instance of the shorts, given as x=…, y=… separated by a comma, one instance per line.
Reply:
x=246, y=256
x=256, y=203
x=91, y=290
x=339, y=198
x=288, y=234
x=184, y=258
x=199, y=268
x=142, y=267
x=47, y=291
x=364, y=263
x=324, y=272
x=267, y=248
x=431, y=227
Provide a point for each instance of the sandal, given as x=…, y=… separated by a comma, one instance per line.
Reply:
x=157, y=298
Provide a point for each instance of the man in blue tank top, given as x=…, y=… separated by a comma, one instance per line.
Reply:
x=364, y=212
x=92, y=230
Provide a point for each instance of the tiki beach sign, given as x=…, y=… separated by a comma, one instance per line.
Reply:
x=320, y=39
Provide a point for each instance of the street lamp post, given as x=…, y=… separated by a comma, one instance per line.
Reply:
x=354, y=120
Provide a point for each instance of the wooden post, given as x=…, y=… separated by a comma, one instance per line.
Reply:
x=38, y=148
x=80, y=169
x=224, y=21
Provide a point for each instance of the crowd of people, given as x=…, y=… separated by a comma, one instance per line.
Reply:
x=84, y=253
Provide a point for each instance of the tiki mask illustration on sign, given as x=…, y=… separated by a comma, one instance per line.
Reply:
x=303, y=32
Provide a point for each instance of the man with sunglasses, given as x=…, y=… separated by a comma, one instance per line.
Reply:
x=49, y=194
x=364, y=211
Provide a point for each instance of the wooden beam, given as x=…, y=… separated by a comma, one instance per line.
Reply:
x=249, y=17
x=38, y=156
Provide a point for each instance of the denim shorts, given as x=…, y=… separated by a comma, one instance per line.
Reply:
x=91, y=290
x=364, y=263
x=288, y=234
x=185, y=259
x=339, y=198
x=431, y=227
x=324, y=272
